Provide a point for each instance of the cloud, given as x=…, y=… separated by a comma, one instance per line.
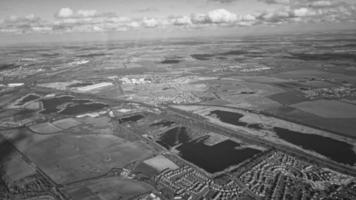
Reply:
x=223, y=1
x=276, y=1
x=150, y=22
x=26, y=24
x=64, y=13
x=297, y=11
x=68, y=20
x=221, y=16
x=181, y=20
x=145, y=10
x=307, y=3
x=308, y=11
x=302, y=12
x=69, y=13
x=218, y=16
x=87, y=13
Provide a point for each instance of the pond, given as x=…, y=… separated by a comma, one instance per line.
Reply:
x=217, y=157
x=234, y=119
x=163, y=123
x=76, y=109
x=336, y=150
x=51, y=105
x=133, y=118
x=72, y=107
x=173, y=137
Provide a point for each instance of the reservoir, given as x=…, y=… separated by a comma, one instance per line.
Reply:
x=73, y=107
x=76, y=109
x=173, y=137
x=217, y=157
x=133, y=118
x=212, y=158
x=163, y=123
x=233, y=118
x=336, y=150
x=51, y=105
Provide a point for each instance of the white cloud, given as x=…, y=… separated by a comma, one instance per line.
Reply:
x=218, y=16
x=198, y=18
x=134, y=24
x=276, y=1
x=181, y=21
x=68, y=20
x=86, y=13
x=221, y=16
x=150, y=22
x=248, y=17
x=301, y=12
x=65, y=12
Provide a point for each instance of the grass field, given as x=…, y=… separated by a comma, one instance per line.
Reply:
x=45, y=128
x=112, y=188
x=160, y=163
x=327, y=108
x=66, y=123
x=69, y=158
x=12, y=166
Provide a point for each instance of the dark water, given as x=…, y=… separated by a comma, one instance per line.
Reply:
x=336, y=150
x=80, y=84
x=92, y=55
x=170, y=61
x=76, y=109
x=233, y=118
x=28, y=98
x=8, y=66
x=255, y=126
x=173, y=137
x=229, y=117
x=333, y=149
x=202, y=56
x=234, y=52
x=133, y=118
x=24, y=114
x=324, y=56
x=51, y=105
x=164, y=123
x=217, y=157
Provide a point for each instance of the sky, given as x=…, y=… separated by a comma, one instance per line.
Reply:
x=67, y=20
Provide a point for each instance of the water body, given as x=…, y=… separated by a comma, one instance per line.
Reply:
x=255, y=126
x=76, y=109
x=73, y=107
x=80, y=84
x=8, y=66
x=217, y=157
x=202, y=56
x=164, y=123
x=173, y=137
x=133, y=118
x=28, y=98
x=51, y=105
x=229, y=117
x=233, y=118
x=336, y=150
x=170, y=61
x=324, y=56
